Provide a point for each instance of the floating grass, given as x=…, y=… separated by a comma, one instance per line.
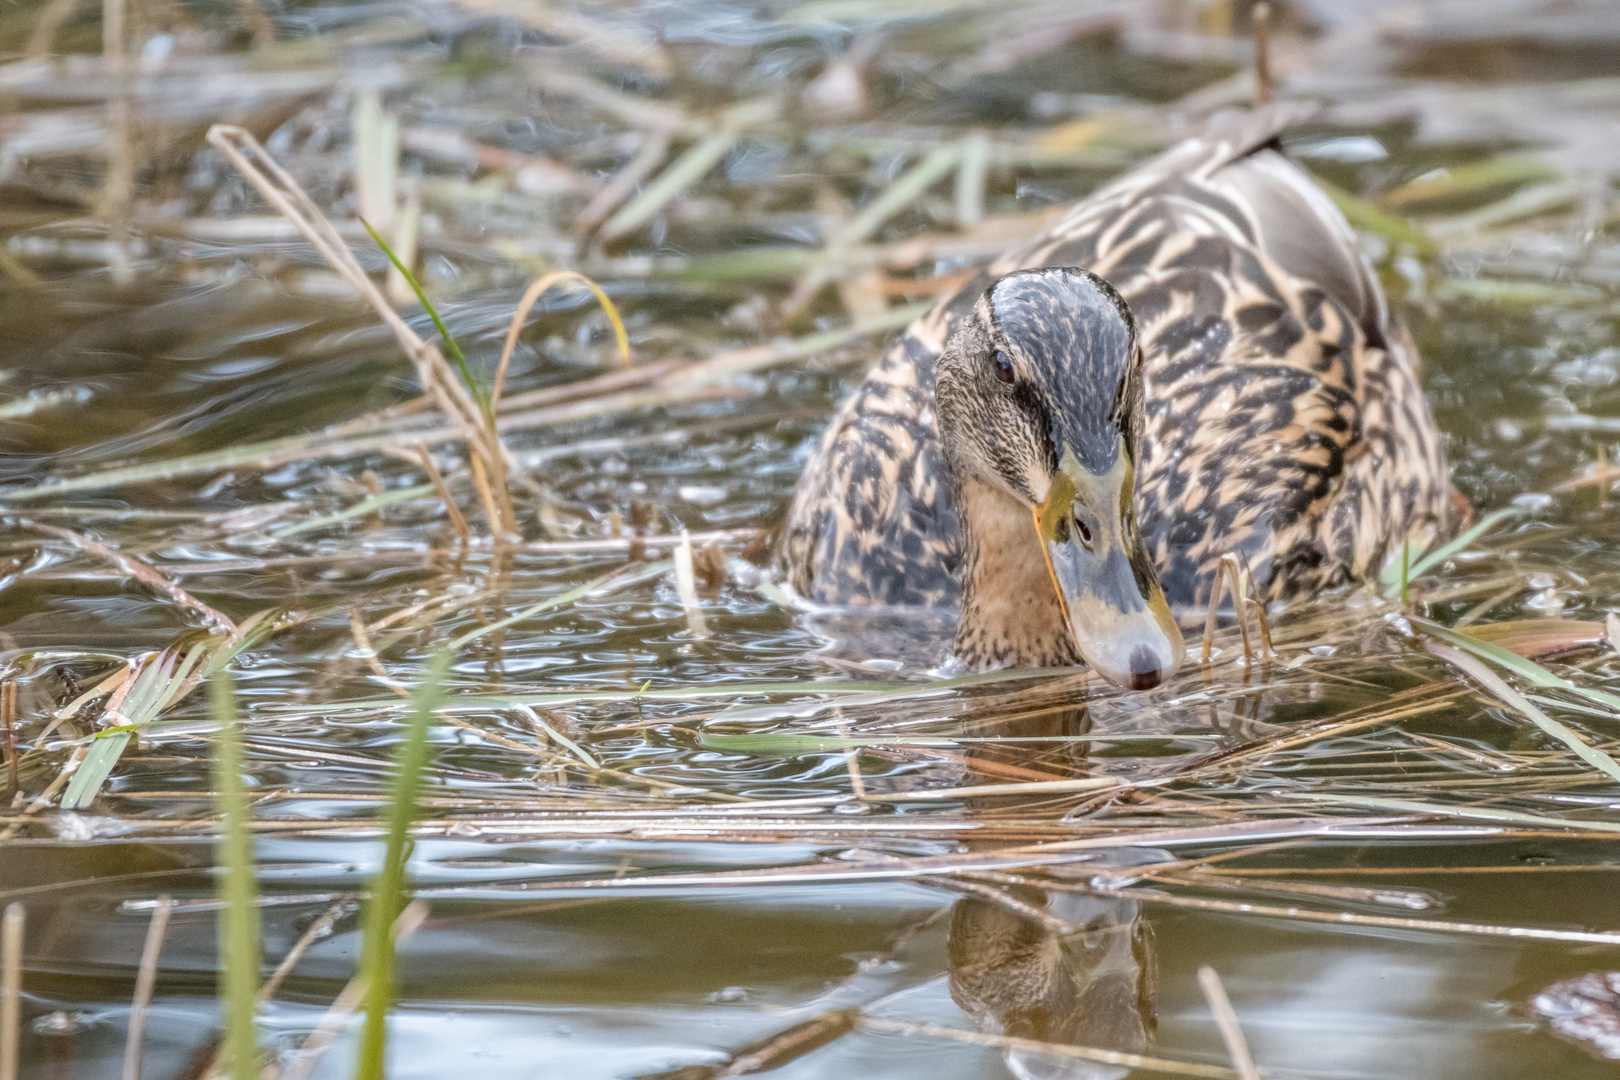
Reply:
x=1523, y=666
x=359, y=509
x=782, y=742
x=1492, y=682
x=387, y=899
x=159, y=682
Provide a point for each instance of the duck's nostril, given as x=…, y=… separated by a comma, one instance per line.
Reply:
x=1145, y=670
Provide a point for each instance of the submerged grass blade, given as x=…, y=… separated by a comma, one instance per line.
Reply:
x=1494, y=683
x=1515, y=663
x=359, y=509
x=99, y=762
x=535, y=609
x=239, y=919
x=388, y=886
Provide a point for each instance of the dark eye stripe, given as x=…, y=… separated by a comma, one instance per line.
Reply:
x=1004, y=368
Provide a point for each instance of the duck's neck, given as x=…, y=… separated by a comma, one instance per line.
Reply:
x=1010, y=612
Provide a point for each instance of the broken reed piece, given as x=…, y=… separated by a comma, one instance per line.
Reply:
x=1237, y=1047
x=686, y=586
x=11, y=939
x=1238, y=580
x=145, y=983
x=142, y=573
x=118, y=185
x=490, y=459
x=458, y=521
x=8, y=735
x=1263, y=81
x=530, y=296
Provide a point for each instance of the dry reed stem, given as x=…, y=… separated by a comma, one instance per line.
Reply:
x=1040, y=916
x=1341, y=918
x=496, y=738
x=457, y=521
x=118, y=188
x=531, y=296
x=1085, y=1053
x=145, y=982
x=43, y=799
x=8, y=735
x=311, y=932
x=273, y=984
x=47, y=21
x=1237, y=1047
x=140, y=572
x=439, y=380
x=1238, y=580
x=11, y=942
x=652, y=153
x=686, y=586
x=309, y=1055
x=1264, y=82
x=604, y=395
x=364, y=650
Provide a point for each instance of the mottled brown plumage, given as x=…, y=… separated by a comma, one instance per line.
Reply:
x=1283, y=418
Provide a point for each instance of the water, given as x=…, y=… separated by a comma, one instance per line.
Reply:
x=236, y=334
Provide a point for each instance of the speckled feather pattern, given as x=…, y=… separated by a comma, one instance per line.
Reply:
x=1283, y=417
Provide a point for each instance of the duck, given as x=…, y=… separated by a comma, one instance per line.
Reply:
x=1194, y=362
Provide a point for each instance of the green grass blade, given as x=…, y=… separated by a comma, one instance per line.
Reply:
x=359, y=509
x=93, y=772
x=1391, y=577
x=1515, y=663
x=1493, y=682
x=479, y=391
x=153, y=686
x=239, y=920
x=388, y=886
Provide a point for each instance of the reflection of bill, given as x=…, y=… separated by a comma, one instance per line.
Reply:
x=1026, y=977
x=1015, y=976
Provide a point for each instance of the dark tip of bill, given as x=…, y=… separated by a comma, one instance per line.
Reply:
x=1145, y=671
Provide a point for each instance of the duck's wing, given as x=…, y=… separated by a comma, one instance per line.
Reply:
x=872, y=523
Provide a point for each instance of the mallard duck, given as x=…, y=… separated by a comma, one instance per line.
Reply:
x=1193, y=362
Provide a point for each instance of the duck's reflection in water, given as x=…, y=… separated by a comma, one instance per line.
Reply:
x=1018, y=976
x=1015, y=976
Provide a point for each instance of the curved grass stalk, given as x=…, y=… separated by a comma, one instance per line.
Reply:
x=531, y=296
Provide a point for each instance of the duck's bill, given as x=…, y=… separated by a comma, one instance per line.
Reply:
x=1112, y=601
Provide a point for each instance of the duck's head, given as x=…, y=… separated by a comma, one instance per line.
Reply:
x=1039, y=394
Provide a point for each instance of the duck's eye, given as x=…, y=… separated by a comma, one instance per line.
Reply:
x=1085, y=531
x=1004, y=370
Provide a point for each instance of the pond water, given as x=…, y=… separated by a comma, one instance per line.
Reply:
x=172, y=315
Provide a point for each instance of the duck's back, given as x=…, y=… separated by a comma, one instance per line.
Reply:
x=1285, y=423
